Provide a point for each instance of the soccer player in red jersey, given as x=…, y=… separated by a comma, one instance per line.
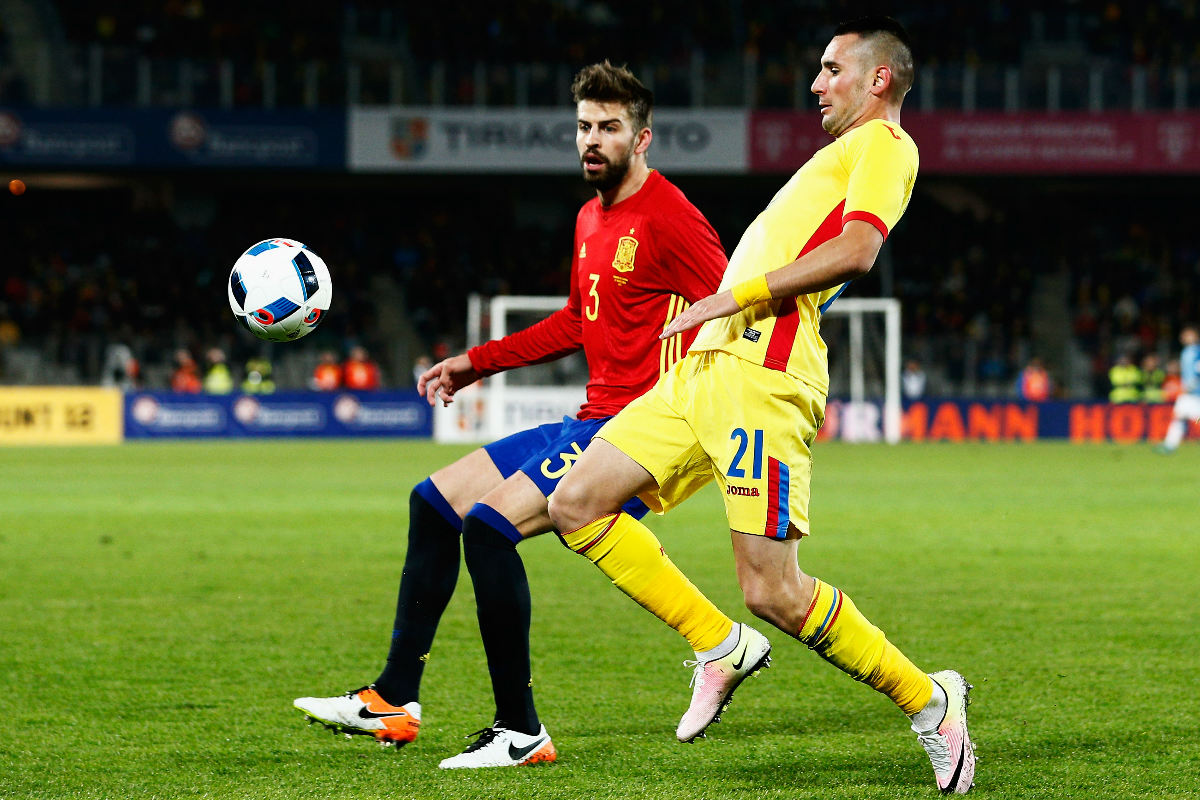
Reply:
x=642, y=254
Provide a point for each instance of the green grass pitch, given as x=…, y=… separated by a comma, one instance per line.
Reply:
x=161, y=604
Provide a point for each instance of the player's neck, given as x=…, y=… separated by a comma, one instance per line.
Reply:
x=634, y=180
x=885, y=113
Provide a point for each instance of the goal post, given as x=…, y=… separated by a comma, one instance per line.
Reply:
x=863, y=334
x=508, y=402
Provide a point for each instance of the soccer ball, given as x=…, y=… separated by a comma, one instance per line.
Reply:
x=280, y=290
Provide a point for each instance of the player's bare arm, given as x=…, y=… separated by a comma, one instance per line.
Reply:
x=843, y=258
x=446, y=377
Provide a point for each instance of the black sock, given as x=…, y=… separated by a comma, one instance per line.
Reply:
x=503, y=606
x=430, y=574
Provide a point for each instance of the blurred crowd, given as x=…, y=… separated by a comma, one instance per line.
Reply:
x=265, y=29
x=574, y=31
x=145, y=269
x=1009, y=271
x=985, y=277
x=992, y=277
x=1147, y=381
x=662, y=38
x=357, y=372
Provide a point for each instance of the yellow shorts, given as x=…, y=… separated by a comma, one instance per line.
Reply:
x=715, y=414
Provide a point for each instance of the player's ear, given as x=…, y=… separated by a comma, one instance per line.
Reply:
x=881, y=83
x=642, y=141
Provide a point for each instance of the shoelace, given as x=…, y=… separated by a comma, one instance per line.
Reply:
x=485, y=738
x=697, y=668
x=937, y=748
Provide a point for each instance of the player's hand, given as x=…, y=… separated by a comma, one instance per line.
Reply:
x=444, y=378
x=714, y=306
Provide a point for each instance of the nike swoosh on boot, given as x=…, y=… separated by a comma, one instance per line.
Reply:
x=519, y=753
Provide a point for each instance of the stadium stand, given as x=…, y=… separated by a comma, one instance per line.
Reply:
x=757, y=53
x=1004, y=249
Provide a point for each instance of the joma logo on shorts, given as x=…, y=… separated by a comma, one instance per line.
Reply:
x=742, y=491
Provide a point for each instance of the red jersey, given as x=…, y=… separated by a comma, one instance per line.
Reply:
x=1035, y=384
x=360, y=375
x=638, y=264
x=327, y=377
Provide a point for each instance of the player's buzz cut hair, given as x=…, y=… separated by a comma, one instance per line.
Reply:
x=604, y=83
x=889, y=44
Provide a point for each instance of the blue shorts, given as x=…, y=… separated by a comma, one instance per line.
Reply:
x=547, y=452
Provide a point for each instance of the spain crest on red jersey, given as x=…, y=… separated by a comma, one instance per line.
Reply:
x=626, y=251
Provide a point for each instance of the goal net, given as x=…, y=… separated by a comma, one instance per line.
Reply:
x=863, y=335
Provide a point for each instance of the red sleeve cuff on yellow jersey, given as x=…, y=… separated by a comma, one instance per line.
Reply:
x=867, y=216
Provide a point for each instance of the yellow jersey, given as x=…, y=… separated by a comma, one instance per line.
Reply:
x=866, y=174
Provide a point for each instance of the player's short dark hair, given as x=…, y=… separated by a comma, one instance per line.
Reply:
x=890, y=44
x=604, y=83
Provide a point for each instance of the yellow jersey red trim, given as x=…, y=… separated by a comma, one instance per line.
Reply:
x=866, y=174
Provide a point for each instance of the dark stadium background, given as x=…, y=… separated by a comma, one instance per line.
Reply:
x=992, y=269
x=162, y=602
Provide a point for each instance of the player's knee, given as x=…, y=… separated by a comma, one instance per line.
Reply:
x=487, y=538
x=425, y=492
x=567, y=507
x=782, y=603
x=760, y=601
x=427, y=506
x=560, y=511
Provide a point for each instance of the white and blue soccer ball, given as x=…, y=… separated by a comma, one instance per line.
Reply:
x=280, y=290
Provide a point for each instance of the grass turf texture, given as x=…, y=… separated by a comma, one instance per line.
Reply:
x=161, y=605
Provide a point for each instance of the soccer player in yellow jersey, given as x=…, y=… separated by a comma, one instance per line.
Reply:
x=745, y=404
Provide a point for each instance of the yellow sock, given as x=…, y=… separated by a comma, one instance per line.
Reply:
x=630, y=555
x=841, y=635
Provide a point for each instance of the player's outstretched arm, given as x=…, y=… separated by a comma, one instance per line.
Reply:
x=715, y=306
x=446, y=377
x=843, y=258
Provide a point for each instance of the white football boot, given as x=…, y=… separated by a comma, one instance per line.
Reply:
x=949, y=746
x=498, y=746
x=364, y=712
x=713, y=681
